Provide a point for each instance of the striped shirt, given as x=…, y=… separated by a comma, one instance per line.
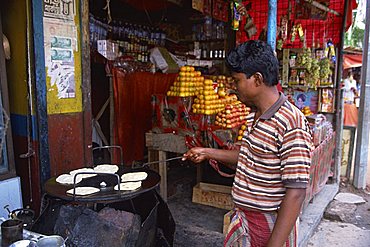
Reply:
x=274, y=154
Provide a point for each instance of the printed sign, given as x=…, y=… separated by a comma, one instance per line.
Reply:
x=60, y=48
x=62, y=55
x=60, y=9
x=61, y=42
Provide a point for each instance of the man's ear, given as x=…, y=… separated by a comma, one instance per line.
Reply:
x=258, y=79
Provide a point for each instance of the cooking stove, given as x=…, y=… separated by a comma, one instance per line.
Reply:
x=156, y=222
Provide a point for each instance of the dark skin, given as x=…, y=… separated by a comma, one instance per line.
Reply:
x=255, y=93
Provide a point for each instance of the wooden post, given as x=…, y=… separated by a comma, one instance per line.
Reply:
x=40, y=90
x=362, y=143
x=86, y=81
x=111, y=110
x=162, y=155
x=339, y=101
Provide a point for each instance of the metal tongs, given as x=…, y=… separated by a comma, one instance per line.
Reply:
x=136, y=165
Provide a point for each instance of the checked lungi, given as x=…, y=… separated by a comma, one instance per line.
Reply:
x=253, y=229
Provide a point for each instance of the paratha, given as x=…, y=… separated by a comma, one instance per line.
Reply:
x=106, y=168
x=68, y=179
x=128, y=186
x=83, y=170
x=83, y=191
x=134, y=176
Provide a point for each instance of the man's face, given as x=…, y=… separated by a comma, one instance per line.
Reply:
x=246, y=88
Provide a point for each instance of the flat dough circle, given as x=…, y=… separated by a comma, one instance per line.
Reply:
x=129, y=186
x=83, y=191
x=134, y=176
x=83, y=170
x=106, y=168
x=68, y=179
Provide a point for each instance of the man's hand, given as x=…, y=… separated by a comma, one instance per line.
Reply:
x=199, y=154
x=196, y=155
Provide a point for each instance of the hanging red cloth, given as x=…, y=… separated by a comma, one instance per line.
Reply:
x=351, y=6
x=133, y=110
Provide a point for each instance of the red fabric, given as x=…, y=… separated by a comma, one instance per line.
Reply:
x=352, y=60
x=315, y=29
x=279, y=87
x=133, y=109
x=351, y=6
x=253, y=229
x=350, y=115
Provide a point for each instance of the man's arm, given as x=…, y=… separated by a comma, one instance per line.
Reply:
x=287, y=216
x=227, y=157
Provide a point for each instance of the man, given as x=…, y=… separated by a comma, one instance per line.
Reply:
x=349, y=88
x=350, y=117
x=272, y=163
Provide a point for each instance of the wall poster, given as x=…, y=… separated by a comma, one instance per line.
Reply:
x=59, y=57
x=62, y=56
x=60, y=9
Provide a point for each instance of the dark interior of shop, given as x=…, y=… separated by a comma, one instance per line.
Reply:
x=181, y=175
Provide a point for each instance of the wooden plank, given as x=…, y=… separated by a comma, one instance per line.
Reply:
x=212, y=197
x=149, y=139
x=166, y=142
x=163, y=173
x=153, y=156
x=215, y=188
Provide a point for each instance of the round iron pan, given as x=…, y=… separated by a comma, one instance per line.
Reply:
x=106, y=194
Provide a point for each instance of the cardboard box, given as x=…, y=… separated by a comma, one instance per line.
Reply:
x=214, y=195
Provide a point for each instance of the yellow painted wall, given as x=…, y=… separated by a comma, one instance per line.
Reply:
x=14, y=12
x=55, y=104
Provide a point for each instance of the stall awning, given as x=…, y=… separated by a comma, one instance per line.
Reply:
x=352, y=60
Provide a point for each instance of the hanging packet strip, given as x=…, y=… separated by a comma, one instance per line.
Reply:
x=235, y=15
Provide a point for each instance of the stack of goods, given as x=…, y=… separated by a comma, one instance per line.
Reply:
x=188, y=83
x=242, y=128
x=226, y=82
x=233, y=115
x=306, y=111
x=321, y=129
x=208, y=101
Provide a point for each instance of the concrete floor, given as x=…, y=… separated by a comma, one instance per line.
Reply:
x=339, y=234
x=200, y=225
x=196, y=225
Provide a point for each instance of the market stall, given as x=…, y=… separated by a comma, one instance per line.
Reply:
x=194, y=105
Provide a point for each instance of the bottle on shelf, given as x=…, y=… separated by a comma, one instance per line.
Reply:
x=208, y=27
x=204, y=52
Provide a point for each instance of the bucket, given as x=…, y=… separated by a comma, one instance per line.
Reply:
x=51, y=241
x=11, y=231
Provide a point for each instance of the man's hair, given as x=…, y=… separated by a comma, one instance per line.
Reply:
x=254, y=56
x=301, y=96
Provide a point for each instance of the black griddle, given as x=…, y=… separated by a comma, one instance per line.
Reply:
x=106, y=194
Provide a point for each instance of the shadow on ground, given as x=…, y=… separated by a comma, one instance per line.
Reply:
x=196, y=224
